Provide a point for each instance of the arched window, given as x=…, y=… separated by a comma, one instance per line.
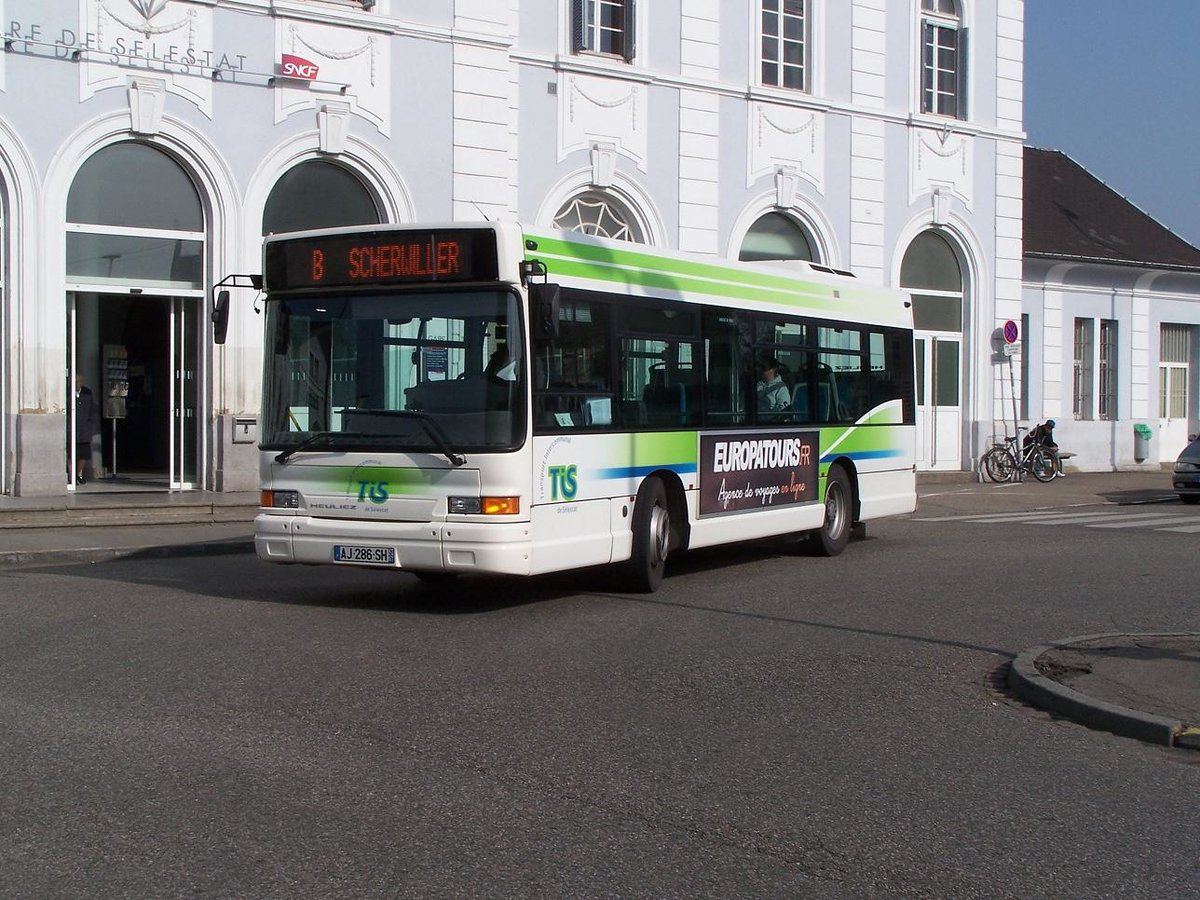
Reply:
x=943, y=59
x=776, y=236
x=932, y=273
x=126, y=187
x=598, y=214
x=318, y=194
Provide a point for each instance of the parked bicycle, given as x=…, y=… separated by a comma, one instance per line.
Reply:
x=1010, y=461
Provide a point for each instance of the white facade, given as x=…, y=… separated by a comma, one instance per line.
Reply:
x=685, y=132
x=1151, y=318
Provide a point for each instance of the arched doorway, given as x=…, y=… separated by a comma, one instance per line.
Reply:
x=932, y=273
x=135, y=273
x=775, y=237
x=318, y=194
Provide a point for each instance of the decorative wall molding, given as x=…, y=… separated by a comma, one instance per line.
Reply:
x=360, y=61
x=604, y=164
x=602, y=110
x=943, y=160
x=333, y=125
x=788, y=137
x=178, y=31
x=147, y=100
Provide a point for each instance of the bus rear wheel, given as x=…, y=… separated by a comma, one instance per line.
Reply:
x=651, y=538
x=833, y=535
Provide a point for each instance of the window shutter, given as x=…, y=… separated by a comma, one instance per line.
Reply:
x=962, y=73
x=578, y=27
x=630, y=43
x=928, y=92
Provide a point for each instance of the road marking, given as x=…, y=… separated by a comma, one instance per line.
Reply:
x=1165, y=520
x=1038, y=516
x=1180, y=522
x=1083, y=518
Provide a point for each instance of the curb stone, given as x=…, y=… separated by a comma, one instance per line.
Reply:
x=1027, y=682
x=107, y=554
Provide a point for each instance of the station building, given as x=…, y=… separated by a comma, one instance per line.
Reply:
x=1111, y=315
x=146, y=146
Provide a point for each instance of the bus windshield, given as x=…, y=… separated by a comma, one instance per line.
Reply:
x=432, y=371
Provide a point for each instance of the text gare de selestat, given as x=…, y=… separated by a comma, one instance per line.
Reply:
x=181, y=60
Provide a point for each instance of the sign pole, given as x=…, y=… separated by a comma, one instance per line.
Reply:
x=1012, y=334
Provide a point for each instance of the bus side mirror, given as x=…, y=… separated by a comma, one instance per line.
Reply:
x=544, y=307
x=220, y=317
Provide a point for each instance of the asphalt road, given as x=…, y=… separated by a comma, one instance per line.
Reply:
x=765, y=725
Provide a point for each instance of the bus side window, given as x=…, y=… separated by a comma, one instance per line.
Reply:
x=724, y=376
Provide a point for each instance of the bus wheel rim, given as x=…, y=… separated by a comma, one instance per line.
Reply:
x=660, y=530
x=835, y=510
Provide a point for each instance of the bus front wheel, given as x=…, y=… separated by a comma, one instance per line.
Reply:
x=831, y=538
x=651, y=538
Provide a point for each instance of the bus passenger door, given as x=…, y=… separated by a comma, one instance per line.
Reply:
x=939, y=401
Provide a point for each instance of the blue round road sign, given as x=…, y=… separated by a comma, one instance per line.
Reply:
x=1011, y=332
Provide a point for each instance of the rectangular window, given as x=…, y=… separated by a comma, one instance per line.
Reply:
x=943, y=82
x=784, y=44
x=1082, y=393
x=603, y=26
x=725, y=343
x=1174, y=363
x=660, y=370
x=1107, y=389
x=572, y=379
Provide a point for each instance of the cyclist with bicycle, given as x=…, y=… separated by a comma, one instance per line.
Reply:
x=1043, y=436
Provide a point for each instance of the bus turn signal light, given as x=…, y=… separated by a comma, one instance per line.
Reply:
x=501, y=506
x=280, y=500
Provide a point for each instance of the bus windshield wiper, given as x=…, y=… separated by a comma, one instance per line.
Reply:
x=317, y=437
x=431, y=427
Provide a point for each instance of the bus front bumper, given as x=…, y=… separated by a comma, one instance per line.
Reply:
x=496, y=547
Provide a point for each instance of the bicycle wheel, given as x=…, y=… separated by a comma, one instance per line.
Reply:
x=998, y=464
x=1041, y=465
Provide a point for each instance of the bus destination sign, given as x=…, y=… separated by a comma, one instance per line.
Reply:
x=376, y=258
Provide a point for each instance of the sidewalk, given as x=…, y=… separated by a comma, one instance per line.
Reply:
x=1144, y=686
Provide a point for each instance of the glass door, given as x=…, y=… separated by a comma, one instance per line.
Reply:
x=185, y=431
x=938, y=360
x=1174, y=381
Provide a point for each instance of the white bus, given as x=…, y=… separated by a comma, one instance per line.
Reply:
x=456, y=398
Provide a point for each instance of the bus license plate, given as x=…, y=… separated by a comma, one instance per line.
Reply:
x=370, y=556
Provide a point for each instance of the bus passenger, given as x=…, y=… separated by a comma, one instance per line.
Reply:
x=773, y=393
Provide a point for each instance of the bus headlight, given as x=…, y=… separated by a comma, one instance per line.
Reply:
x=280, y=499
x=488, y=506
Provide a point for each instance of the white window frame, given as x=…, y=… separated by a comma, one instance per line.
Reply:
x=1174, y=370
x=941, y=22
x=1083, y=389
x=1108, y=356
x=586, y=42
x=806, y=33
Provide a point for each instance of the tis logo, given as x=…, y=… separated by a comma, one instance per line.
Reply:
x=375, y=491
x=564, y=482
x=297, y=67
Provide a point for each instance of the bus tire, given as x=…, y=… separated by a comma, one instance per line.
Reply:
x=651, y=538
x=833, y=535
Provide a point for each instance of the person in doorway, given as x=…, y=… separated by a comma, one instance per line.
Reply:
x=1043, y=436
x=85, y=424
x=773, y=393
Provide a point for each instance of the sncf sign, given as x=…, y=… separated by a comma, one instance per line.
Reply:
x=297, y=67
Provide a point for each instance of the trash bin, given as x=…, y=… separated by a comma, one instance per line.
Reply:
x=1141, y=442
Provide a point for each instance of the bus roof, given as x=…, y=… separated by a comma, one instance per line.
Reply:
x=584, y=262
